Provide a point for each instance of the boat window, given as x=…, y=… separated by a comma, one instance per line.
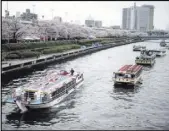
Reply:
x=79, y=77
x=68, y=84
x=132, y=75
x=74, y=82
x=138, y=73
x=127, y=76
x=120, y=75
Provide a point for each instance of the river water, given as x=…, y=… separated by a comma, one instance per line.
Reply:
x=97, y=104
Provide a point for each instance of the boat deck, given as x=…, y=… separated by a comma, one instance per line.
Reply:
x=48, y=83
x=132, y=69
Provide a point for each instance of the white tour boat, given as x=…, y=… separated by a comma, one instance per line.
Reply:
x=163, y=43
x=159, y=52
x=128, y=75
x=46, y=92
x=167, y=46
x=147, y=57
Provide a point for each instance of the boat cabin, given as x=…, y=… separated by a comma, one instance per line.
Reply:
x=129, y=74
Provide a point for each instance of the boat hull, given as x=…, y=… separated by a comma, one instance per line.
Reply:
x=55, y=101
x=126, y=82
x=136, y=49
x=144, y=62
x=160, y=54
x=52, y=102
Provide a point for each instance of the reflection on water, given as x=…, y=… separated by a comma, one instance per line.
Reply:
x=124, y=90
x=98, y=104
x=41, y=115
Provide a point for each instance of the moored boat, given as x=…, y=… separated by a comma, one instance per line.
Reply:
x=159, y=52
x=128, y=75
x=138, y=48
x=147, y=57
x=167, y=46
x=46, y=92
x=163, y=43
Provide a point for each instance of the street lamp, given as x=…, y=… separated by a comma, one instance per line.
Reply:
x=7, y=5
x=8, y=36
x=33, y=8
x=52, y=12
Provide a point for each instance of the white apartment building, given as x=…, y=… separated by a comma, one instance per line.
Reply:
x=142, y=19
x=98, y=24
x=90, y=23
x=126, y=18
x=138, y=18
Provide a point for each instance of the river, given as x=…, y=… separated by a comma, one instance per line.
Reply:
x=97, y=104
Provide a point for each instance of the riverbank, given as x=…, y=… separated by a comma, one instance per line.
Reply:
x=22, y=66
x=36, y=49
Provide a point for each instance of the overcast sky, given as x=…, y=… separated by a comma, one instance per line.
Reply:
x=108, y=11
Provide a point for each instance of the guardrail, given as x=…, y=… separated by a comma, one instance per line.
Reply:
x=154, y=37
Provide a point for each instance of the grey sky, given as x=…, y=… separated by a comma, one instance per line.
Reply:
x=108, y=11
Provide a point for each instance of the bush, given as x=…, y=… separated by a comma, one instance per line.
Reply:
x=59, y=49
x=28, y=54
x=48, y=44
x=23, y=54
x=31, y=45
x=39, y=49
x=12, y=56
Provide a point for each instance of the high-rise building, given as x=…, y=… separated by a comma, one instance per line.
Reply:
x=18, y=14
x=58, y=19
x=93, y=23
x=28, y=16
x=90, y=23
x=138, y=18
x=126, y=18
x=98, y=24
x=151, y=15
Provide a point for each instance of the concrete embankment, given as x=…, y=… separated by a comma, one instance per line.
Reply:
x=33, y=64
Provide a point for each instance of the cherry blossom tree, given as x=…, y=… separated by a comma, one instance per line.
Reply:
x=13, y=29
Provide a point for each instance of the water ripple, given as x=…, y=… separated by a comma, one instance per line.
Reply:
x=97, y=104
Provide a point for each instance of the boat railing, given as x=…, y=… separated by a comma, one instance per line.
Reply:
x=12, y=96
x=125, y=79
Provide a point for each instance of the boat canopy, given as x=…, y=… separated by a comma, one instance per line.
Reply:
x=50, y=83
x=130, y=69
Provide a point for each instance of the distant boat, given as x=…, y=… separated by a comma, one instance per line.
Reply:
x=163, y=43
x=167, y=46
x=159, y=52
x=128, y=75
x=147, y=57
x=138, y=48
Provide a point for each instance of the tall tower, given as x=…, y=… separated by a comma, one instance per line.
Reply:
x=150, y=14
x=135, y=16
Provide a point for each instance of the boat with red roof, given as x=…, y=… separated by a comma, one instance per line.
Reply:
x=45, y=92
x=128, y=74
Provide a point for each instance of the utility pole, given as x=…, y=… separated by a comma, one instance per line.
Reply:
x=66, y=14
x=7, y=5
x=33, y=10
x=52, y=13
x=8, y=25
